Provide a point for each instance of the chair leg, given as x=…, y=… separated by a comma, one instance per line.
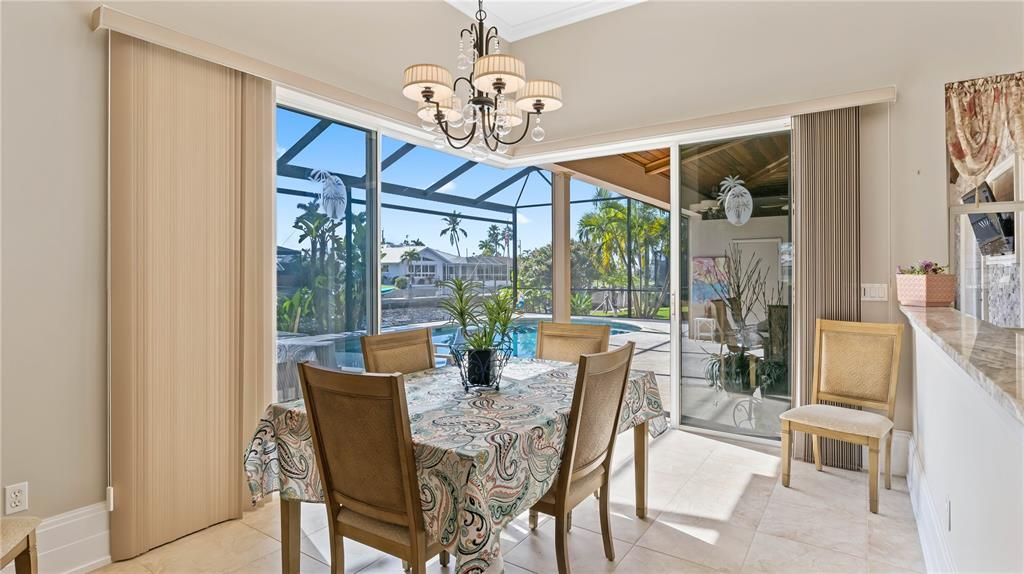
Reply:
x=561, y=544
x=27, y=561
x=816, y=441
x=337, y=552
x=873, y=475
x=786, y=447
x=568, y=522
x=606, y=524
x=888, y=462
x=444, y=558
x=534, y=515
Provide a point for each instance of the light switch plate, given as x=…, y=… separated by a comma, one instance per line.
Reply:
x=874, y=292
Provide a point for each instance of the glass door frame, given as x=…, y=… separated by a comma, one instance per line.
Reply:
x=677, y=212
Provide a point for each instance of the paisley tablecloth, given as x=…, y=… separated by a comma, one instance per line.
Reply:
x=482, y=458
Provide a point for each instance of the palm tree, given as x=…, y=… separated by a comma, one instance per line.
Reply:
x=452, y=229
x=486, y=247
x=407, y=258
x=494, y=239
x=506, y=238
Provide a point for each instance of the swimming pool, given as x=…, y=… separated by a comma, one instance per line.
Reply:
x=524, y=341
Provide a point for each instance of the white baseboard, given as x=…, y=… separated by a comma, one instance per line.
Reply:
x=930, y=522
x=74, y=542
x=901, y=452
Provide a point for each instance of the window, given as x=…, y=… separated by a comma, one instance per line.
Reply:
x=443, y=218
x=323, y=171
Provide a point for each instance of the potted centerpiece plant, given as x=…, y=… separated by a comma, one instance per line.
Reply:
x=926, y=284
x=485, y=325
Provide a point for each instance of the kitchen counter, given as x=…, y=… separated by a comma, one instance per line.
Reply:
x=992, y=356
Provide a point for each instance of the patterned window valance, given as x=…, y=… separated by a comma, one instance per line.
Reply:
x=979, y=114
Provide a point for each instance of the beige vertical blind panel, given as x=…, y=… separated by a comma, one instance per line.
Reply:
x=191, y=245
x=826, y=231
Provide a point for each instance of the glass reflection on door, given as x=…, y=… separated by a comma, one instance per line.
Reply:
x=736, y=269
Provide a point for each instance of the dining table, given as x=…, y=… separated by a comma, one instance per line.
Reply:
x=483, y=456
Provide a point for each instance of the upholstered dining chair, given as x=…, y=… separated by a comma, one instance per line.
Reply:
x=369, y=484
x=567, y=341
x=855, y=364
x=587, y=455
x=399, y=352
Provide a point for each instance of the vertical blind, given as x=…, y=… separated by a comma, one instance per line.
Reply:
x=826, y=227
x=191, y=287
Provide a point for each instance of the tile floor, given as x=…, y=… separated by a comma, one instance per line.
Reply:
x=715, y=506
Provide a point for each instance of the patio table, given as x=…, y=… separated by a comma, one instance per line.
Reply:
x=482, y=457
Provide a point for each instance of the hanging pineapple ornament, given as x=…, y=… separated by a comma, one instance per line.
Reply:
x=735, y=200
x=333, y=194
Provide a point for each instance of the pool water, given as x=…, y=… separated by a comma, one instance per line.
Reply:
x=524, y=341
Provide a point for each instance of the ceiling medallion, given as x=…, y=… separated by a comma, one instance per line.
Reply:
x=491, y=113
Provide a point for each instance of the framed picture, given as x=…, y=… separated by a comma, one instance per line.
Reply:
x=709, y=279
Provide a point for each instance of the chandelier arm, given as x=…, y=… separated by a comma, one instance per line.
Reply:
x=451, y=136
x=489, y=37
x=522, y=136
x=466, y=140
x=467, y=79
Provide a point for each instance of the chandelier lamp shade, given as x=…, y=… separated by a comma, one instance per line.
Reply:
x=498, y=97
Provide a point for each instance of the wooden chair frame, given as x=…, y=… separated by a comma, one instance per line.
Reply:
x=561, y=509
x=418, y=341
x=598, y=333
x=889, y=406
x=385, y=387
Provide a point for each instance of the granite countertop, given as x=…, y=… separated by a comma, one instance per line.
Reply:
x=993, y=356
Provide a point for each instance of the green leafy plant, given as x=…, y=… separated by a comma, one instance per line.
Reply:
x=291, y=309
x=581, y=303
x=484, y=323
x=925, y=267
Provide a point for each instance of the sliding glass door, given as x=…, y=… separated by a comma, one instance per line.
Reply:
x=734, y=284
x=325, y=173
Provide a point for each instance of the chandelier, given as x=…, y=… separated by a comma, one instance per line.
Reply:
x=485, y=124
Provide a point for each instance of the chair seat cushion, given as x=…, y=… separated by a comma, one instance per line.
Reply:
x=840, y=419
x=386, y=530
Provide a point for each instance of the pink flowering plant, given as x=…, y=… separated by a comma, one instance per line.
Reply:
x=925, y=267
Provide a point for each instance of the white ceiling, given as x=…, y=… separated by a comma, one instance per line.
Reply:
x=518, y=19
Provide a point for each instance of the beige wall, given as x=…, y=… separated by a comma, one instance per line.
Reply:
x=679, y=60
x=54, y=255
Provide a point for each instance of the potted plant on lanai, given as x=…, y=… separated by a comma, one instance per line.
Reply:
x=483, y=341
x=926, y=284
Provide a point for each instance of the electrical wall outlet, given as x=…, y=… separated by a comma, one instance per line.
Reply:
x=16, y=498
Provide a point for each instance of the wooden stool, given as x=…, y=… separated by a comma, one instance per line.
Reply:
x=18, y=539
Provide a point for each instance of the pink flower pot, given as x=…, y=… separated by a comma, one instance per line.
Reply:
x=926, y=290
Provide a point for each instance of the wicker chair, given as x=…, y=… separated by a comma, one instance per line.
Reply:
x=567, y=341
x=370, y=484
x=587, y=455
x=400, y=352
x=855, y=364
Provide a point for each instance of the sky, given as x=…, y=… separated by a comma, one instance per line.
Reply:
x=342, y=149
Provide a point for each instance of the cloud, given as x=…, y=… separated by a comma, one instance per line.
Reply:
x=521, y=219
x=447, y=188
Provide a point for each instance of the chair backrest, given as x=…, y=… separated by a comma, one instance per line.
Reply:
x=857, y=364
x=400, y=352
x=594, y=417
x=567, y=341
x=363, y=444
